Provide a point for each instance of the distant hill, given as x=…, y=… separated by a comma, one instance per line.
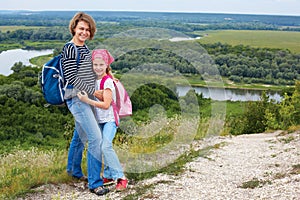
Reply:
x=278, y=20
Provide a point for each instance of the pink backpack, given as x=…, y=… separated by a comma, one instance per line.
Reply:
x=122, y=107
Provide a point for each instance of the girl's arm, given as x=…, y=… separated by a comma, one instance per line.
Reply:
x=107, y=99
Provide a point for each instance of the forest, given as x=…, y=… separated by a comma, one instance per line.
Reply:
x=239, y=63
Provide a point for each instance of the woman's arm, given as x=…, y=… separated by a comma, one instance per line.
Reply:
x=105, y=104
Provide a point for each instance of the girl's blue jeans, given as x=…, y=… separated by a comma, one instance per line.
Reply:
x=112, y=165
x=86, y=129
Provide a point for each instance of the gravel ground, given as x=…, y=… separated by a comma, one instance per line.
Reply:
x=269, y=160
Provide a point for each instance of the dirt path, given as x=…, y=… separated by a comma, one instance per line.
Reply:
x=257, y=166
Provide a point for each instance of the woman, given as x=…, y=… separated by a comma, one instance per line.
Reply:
x=81, y=78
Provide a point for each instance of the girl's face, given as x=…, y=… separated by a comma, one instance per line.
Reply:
x=82, y=32
x=99, y=67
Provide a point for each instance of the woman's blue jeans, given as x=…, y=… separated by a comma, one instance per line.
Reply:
x=112, y=166
x=87, y=130
x=75, y=155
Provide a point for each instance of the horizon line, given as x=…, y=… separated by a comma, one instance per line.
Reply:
x=156, y=11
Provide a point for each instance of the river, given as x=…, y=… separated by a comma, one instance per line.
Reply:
x=229, y=94
x=10, y=57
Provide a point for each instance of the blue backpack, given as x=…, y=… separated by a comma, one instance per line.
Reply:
x=52, y=79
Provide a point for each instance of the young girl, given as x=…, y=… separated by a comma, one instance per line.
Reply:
x=105, y=116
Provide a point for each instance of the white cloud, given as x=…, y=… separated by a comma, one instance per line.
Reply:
x=286, y=1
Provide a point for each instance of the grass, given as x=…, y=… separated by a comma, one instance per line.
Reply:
x=163, y=138
x=259, y=39
x=22, y=170
x=14, y=28
x=7, y=45
x=254, y=183
x=40, y=60
x=293, y=128
x=175, y=168
x=296, y=169
x=195, y=80
x=287, y=140
x=141, y=191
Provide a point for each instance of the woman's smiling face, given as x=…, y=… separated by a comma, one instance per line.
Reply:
x=82, y=32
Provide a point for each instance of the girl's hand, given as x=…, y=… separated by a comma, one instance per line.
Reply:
x=83, y=96
x=99, y=94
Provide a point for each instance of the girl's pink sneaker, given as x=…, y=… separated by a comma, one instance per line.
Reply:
x=121, y=184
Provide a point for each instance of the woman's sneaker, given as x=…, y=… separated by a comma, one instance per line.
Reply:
x=83, y=178
x=108, y=181
x=121, y=184
x=100, y=190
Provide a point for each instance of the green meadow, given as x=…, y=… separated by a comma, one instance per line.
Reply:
x=261, y=39
x=14, y=28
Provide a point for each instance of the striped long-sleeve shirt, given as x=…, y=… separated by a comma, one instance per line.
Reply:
x=82, y=76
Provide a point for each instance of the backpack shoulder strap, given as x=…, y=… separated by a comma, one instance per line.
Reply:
x=77, y=55
x=116, y=116
x=103, y=81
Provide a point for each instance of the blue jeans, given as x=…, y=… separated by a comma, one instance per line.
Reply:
x=75, y=155
x=87, y=128
x=112, y=165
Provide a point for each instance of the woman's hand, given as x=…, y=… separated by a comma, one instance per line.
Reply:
x=83, y=96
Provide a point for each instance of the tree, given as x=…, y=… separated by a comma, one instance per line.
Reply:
x=17, y=67
x=296, y=103
x=286, y=110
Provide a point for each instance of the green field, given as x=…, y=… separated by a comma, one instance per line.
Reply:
x=14, y=28
x=270, y=39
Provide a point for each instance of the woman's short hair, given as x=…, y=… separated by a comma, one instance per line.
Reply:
x=81, y=16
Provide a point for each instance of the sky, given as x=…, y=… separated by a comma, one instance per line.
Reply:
x=269, y=7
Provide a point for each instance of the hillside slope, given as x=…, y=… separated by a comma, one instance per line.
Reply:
x=256, y=166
